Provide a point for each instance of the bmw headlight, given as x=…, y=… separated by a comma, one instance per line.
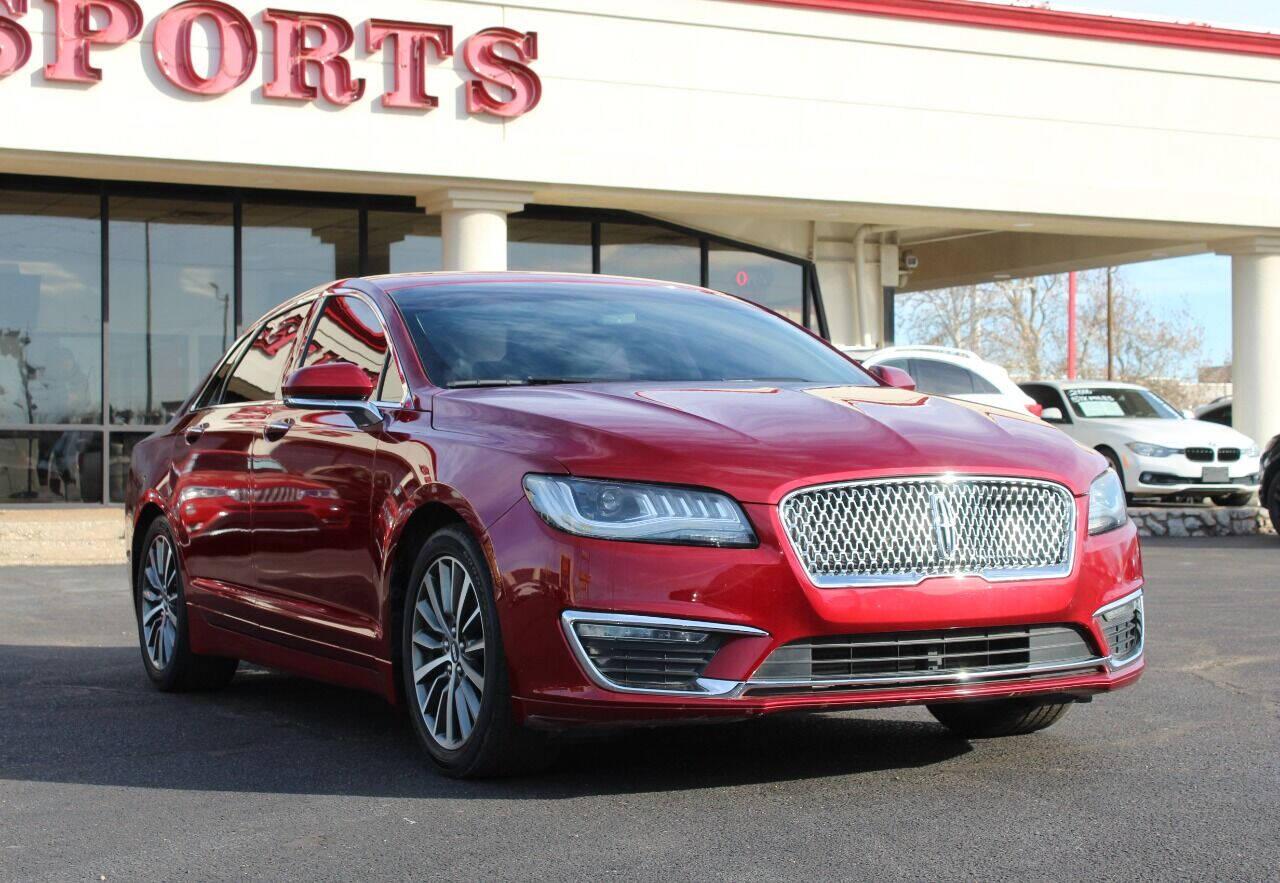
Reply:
x=1107, y=509
x=1143, y=449
x=641, y=513
x=1252, y=451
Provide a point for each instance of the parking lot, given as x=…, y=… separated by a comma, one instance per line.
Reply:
x=101, y=777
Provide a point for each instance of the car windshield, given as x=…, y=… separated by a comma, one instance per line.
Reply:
x=1116, y=402
x=558, y=332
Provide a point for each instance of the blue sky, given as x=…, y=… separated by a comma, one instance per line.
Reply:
x=1202, y=284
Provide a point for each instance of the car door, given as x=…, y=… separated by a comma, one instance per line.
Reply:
x=213, y=443
x=314, y=472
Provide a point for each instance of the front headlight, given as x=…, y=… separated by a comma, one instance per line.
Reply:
x=1252, y=451
x=1107, y=509
x=1146, y=450
x=641, y=513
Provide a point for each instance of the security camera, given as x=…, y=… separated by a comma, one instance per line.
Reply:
x=909, y=261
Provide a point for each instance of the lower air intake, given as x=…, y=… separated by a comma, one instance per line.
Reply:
x=955, y=654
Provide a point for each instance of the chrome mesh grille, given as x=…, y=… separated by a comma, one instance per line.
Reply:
x=905, y=530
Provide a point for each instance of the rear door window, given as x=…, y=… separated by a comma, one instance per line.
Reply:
x=945, y=379
x=260, y=372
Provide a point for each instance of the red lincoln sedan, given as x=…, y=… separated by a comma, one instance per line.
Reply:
x=523, y=502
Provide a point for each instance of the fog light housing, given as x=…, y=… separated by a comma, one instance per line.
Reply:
x=649, y=654
x=1123, y=625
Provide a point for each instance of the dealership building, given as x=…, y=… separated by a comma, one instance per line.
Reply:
x=171, y=171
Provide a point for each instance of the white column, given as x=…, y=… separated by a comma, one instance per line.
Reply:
x=473, y=224
x=1255, y=330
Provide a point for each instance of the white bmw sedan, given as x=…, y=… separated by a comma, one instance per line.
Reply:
x=1155, y=449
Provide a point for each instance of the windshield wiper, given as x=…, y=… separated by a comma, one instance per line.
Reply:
x=527, y=381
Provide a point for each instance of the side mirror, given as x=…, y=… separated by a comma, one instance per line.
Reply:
x=334, y=386
x=1052, y=415
x=895, y=377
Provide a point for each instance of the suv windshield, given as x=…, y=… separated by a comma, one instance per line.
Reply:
x=1115, y=402
x=581, y=332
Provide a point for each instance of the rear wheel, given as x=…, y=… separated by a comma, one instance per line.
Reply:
x=1232, y=500
x=161, y=606
x=1000, y=717
x=454, y=668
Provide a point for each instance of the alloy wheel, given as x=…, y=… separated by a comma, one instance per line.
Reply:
x=160, y=603
x=448, y=652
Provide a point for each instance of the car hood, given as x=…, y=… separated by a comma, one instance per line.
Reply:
x=760, y=442
x=1175, y=433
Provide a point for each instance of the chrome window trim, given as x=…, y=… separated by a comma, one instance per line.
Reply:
x=382, y=317
x=710, y=686
x=1061, y=571
x=1138, y=596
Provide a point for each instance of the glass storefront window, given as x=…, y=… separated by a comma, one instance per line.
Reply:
x=403, y=242
x=50, y=308
x=172, y=274
x=50, y=467
x=121, y=447
x=650, y=253
x=292, y=249
x=173, y=309
x=551, y=246
x=778, y=285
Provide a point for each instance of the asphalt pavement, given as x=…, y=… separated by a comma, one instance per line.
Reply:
x=277, y=778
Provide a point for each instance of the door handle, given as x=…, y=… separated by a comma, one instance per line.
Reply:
x=276, y=431
x=193, y=433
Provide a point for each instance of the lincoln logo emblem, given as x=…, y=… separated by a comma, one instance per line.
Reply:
x=943, y=514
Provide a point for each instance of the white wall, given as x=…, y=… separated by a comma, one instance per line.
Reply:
x=713, y=97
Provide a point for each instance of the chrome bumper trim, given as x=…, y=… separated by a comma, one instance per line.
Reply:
x=1117, y=664
x=939, y=678
x=710, y=686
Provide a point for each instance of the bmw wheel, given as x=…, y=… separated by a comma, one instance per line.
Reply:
x=161, y=607
x=453, y=666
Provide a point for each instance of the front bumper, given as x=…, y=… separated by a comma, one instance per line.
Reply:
x=758, y=601
x=1179, y=475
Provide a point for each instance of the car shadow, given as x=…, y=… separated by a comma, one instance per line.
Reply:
x=88, y=715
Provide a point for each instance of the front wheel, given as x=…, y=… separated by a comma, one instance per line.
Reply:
x=454, y=669
x=161, y=605
x=1000, y=717
x=1233, y=501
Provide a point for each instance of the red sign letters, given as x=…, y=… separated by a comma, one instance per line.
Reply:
x=309, y=53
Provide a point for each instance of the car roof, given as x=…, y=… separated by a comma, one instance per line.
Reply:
x=927, y=350
x=400, y=281
x=1083, y=384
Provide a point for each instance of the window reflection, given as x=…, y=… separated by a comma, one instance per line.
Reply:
x=50, y=467
x=551, y=246
x=50, y=308
x=403, y=242
x=260, y=373
x=121, y=446
x=291, y=249
x=349, y=331
x=172, y=275
x=650, y=253
x=778, y=285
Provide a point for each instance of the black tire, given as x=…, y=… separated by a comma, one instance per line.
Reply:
x=175, y=668
x=1233, y=501
x=496, y=744
x=1115, y=464
x=1273, y=504
x=1000, y=717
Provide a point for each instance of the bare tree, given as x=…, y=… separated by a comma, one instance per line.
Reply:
x=1021, y=324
